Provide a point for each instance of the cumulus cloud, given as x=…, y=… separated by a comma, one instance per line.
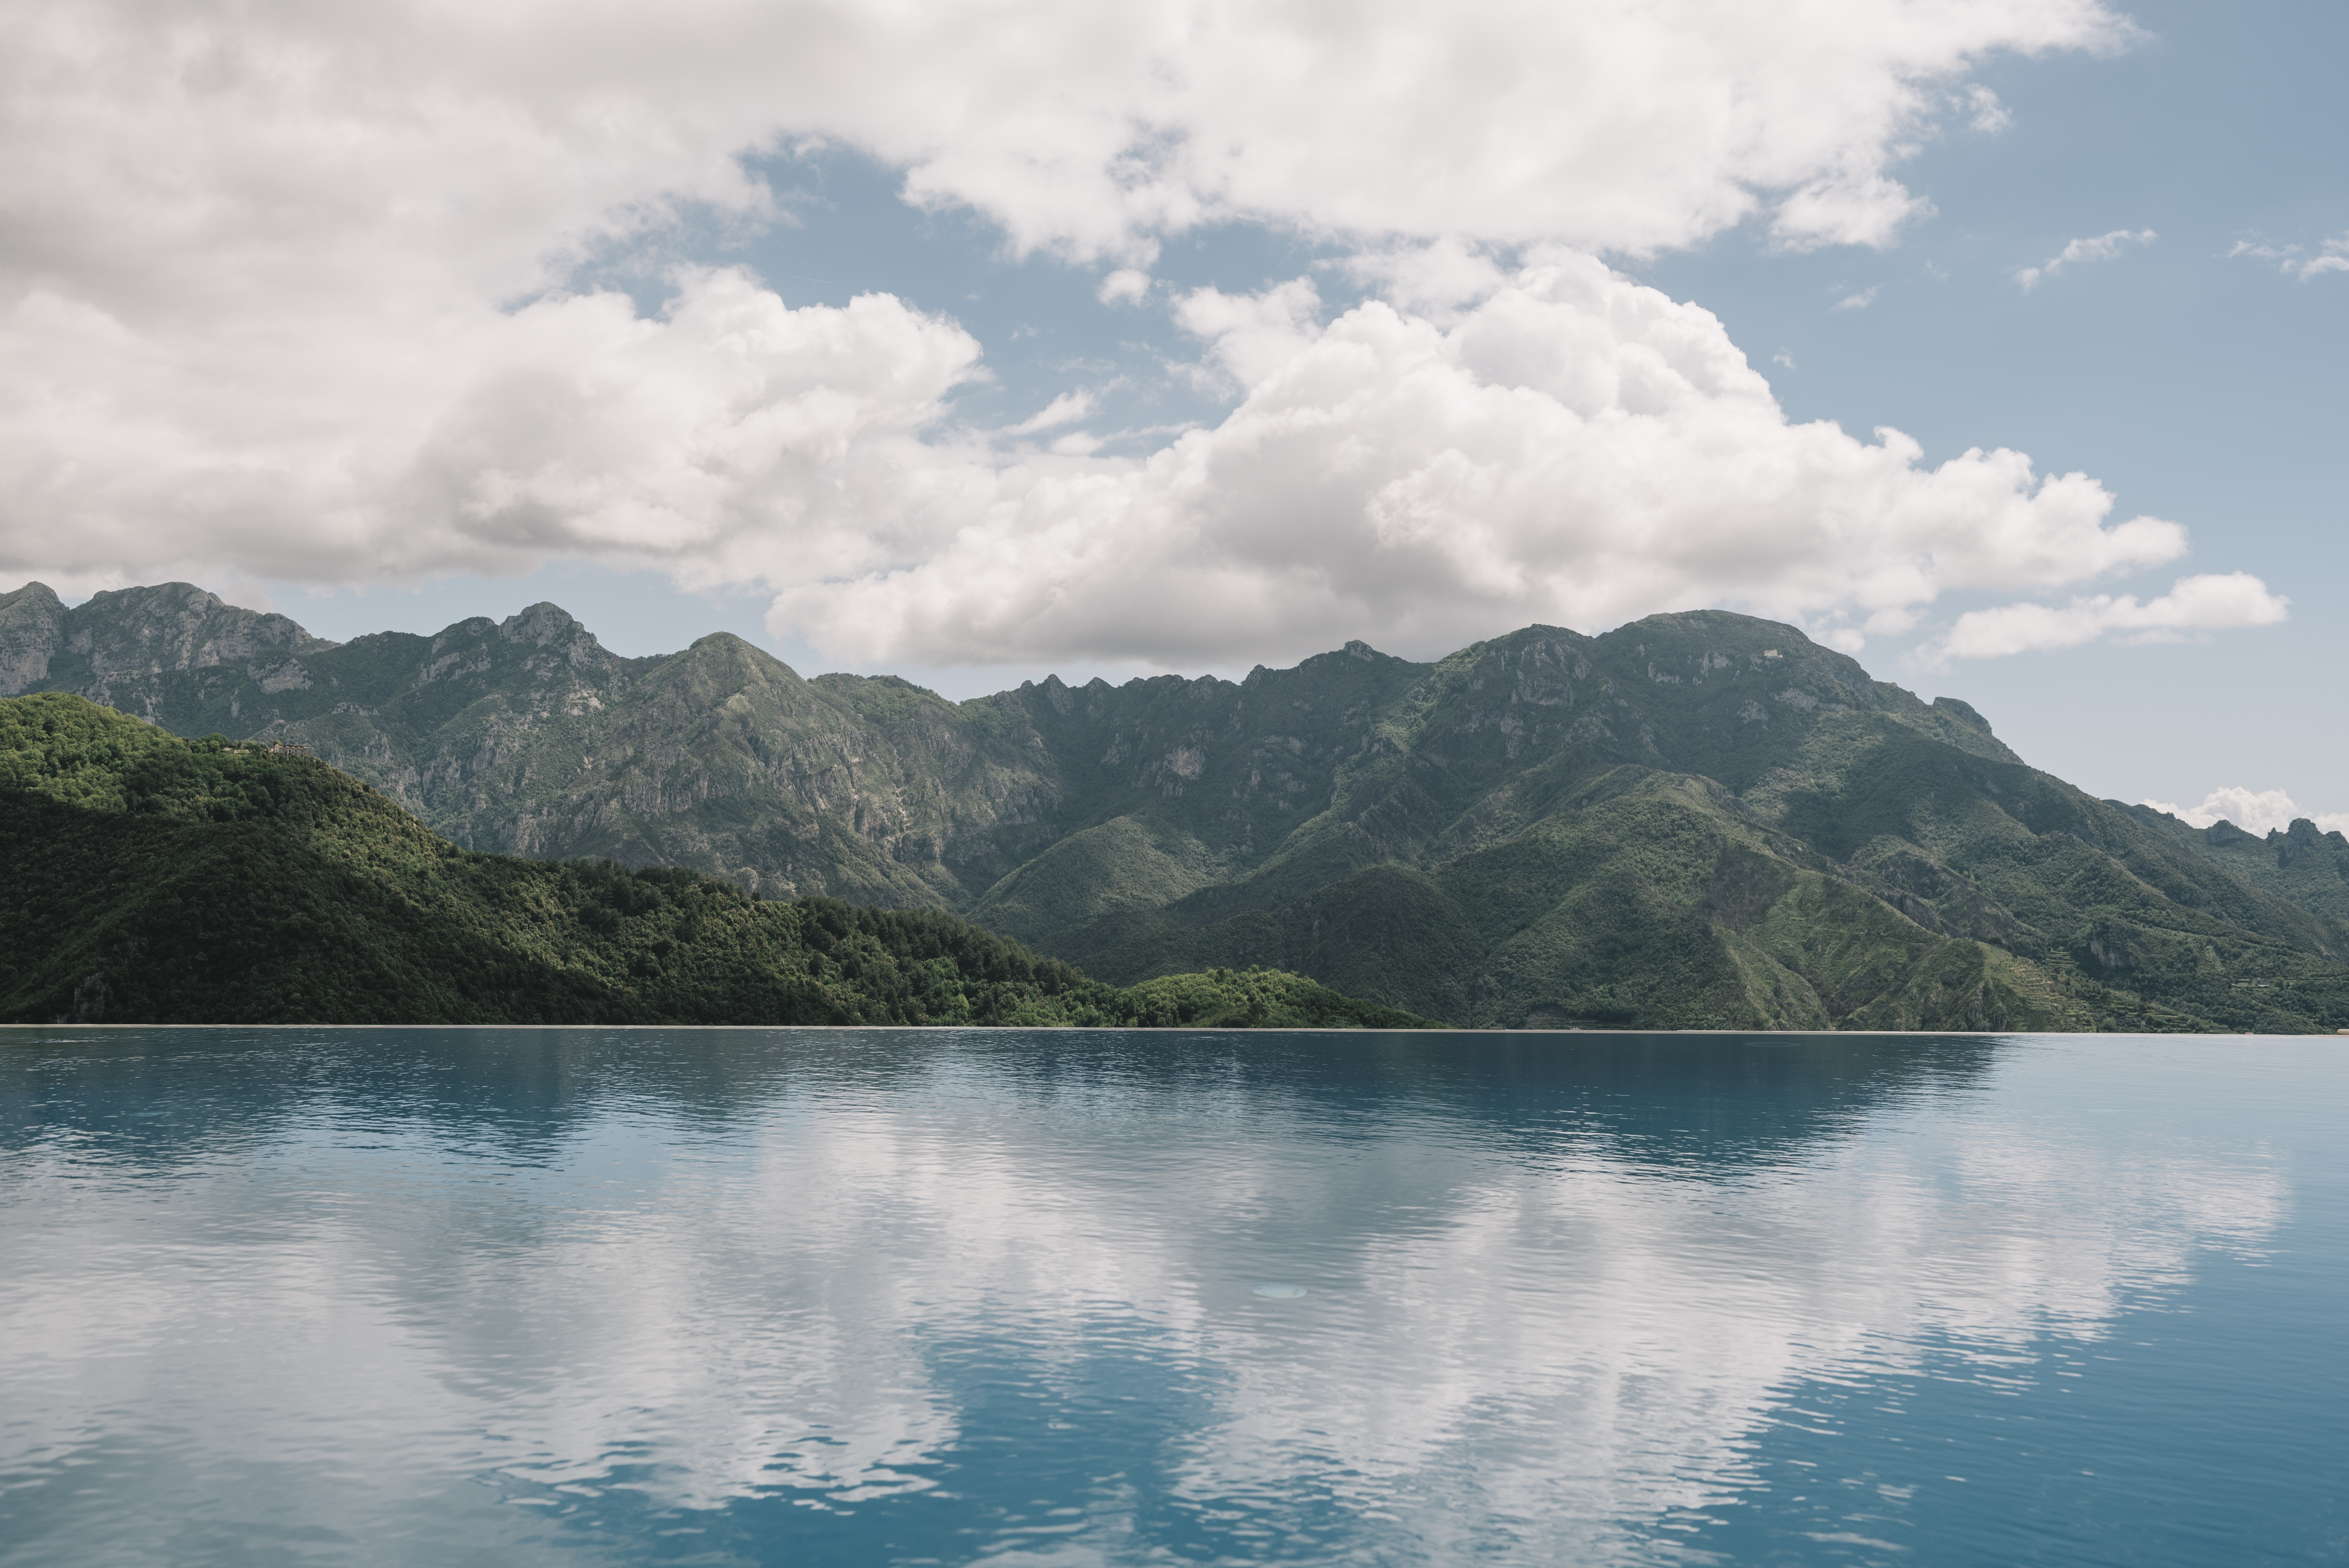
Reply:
x=282, y=295
x=1438, y=279
x=497, y=133
x=2253, y=811
x=1576, y=449
x=570, y=427
x=1632, y=127
x=2081, y=253
x=2212, y=602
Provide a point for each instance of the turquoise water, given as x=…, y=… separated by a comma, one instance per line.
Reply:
x=1054, y=1299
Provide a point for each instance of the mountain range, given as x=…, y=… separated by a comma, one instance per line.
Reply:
x=1697, y=819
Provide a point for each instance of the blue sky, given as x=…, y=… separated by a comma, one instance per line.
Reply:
x=2200, y=386
x=2188, y=359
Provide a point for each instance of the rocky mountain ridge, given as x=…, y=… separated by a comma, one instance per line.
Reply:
x=129, y=636
x=1701, y=817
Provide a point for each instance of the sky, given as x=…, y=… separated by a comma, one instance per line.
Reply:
x=1997, y=343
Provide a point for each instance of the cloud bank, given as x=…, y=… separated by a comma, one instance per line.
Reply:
x=1576, y=449
x=283, y=295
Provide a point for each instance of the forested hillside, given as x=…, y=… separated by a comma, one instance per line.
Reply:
x=1697, y=819
x=148, y=878
x=2298, y=864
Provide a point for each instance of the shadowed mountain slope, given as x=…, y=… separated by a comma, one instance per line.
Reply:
x=144, y=878
x=2299, y=863
x=1697, y=819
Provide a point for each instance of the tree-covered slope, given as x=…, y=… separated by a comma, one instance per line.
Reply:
x=2300, y=864
x=148, y=878
x=1707, y=820
x=1696, y=819
x=527, y=736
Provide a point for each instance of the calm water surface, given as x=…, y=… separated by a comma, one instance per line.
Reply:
x=1053, y=1298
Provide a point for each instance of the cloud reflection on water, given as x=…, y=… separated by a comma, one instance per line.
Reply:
x=1556, y=1289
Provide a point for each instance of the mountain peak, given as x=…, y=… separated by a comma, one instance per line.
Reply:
x=549, y=626
x=126, y=633
x=31, y=593
x=726, y=647
x=542, y=622
x=32, y=630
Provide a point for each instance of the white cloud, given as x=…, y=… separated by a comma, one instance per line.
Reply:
x=1127, y=285
x=2101, y=248
x=2332, y=256
x=487, y=136
x=1637, y=126
x=1439, y=279
x=1858, y=300
x=1576, y=449
x=2253, y=811
x=1988, y=113
x=1254, y=335
x=2335, y=259
x=570, y=427
x=2212, y=602
x=1068, y=409
x=280, y=298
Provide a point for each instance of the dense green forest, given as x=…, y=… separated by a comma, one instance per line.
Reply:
x=147, y=878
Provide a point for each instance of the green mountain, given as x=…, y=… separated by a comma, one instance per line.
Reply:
x=1698, y=820
x=145, y=878
x=2298, y=864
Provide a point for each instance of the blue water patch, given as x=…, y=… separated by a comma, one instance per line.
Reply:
x=353, y=1296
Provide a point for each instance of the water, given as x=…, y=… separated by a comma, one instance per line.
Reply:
x=695, y=1296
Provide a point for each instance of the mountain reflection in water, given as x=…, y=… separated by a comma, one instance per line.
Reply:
x=750, y=1297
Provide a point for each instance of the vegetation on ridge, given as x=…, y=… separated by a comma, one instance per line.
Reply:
x=144, y=878
x=1697, y=819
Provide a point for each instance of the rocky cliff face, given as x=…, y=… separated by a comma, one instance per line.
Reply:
x=113, y=648
x=32, y=633
x=1698, y=817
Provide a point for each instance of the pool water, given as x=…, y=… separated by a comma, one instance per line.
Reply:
x=1070, y=1298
